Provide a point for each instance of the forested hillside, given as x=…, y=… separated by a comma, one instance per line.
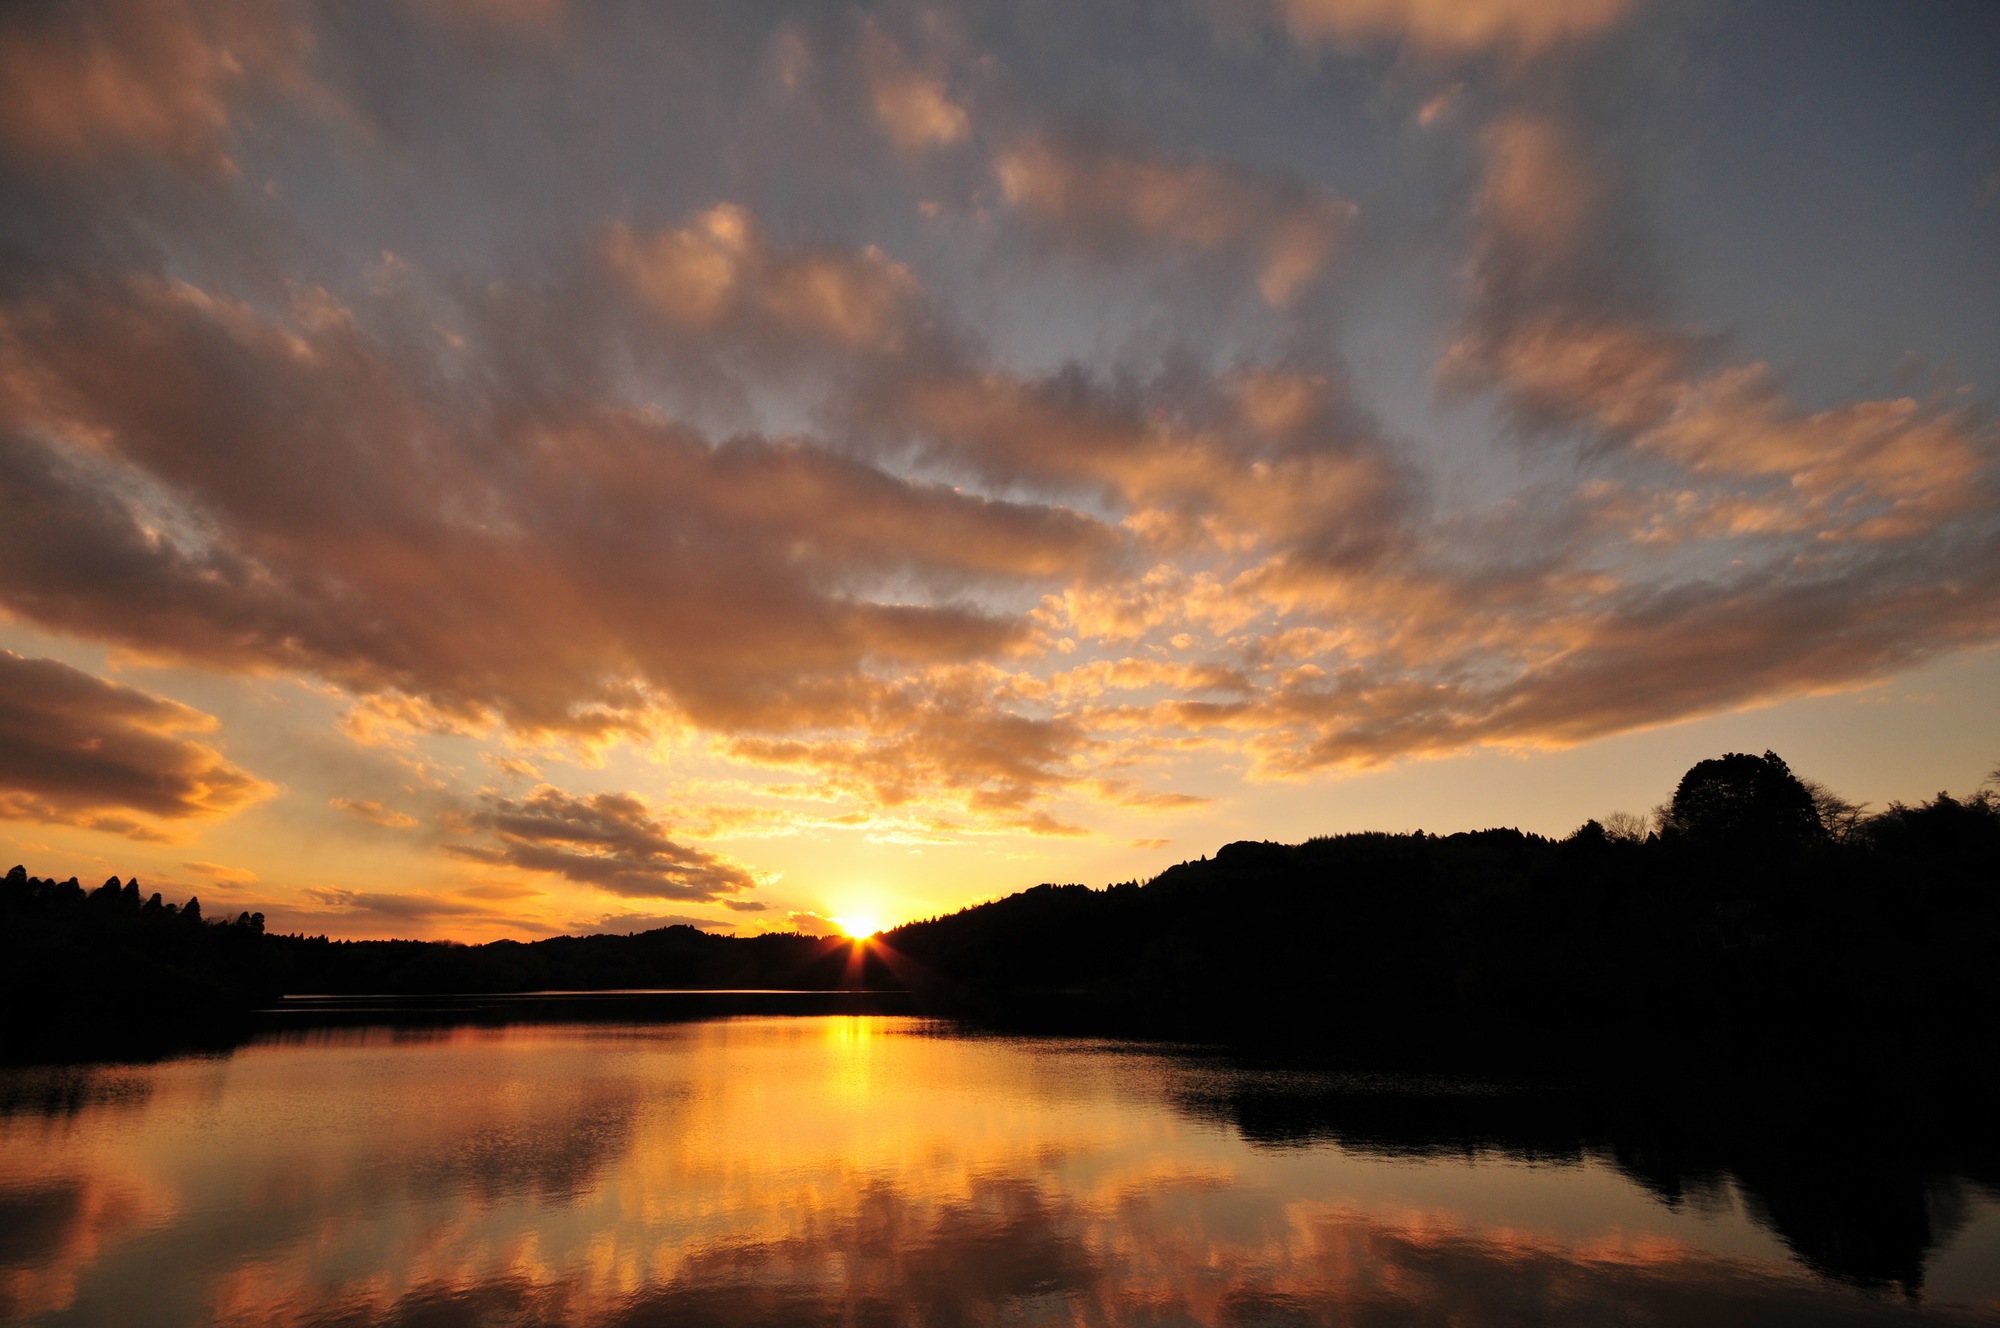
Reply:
x=1758, y=913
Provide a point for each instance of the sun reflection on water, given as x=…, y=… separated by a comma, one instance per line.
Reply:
x=793, y=1170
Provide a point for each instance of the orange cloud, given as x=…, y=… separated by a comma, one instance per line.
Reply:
x=222, y=873
x=1886, y=469
x=950, y=594
x=78, y=750
x=403, y=910
x=374, y=812
x=1111, y=203
x=528, y=16
x=606, y=840
x=86, y=78
x=1126, y=793
x=788, y=1239
x=338, y=523
x=625, y=924
x=1560, y=328
x=719, y=272
x=911, y=103
x=924, y=741
x=1453, y=27
x=1254, y=457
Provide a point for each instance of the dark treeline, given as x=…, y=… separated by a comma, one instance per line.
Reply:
x=1756, y=913
x=1862, y=1170
x=106, y=971
x=1755, y=917
x=86, y=973
x=1763, y=987
x=666, y=957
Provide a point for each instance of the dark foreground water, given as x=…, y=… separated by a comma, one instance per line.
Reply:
x=856, y=1170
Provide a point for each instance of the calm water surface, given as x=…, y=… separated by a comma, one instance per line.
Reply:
x=850, y=1170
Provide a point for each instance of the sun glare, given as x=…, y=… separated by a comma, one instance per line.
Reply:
x=859, y=926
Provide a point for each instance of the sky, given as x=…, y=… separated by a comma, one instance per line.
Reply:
x=479, y=468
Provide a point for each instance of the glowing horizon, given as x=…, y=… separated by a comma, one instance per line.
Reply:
x=861, y=927
x=516, y=469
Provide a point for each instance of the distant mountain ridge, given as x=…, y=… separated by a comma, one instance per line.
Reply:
x=1758, y=911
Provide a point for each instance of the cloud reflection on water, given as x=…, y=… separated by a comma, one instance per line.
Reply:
x=815, y=1171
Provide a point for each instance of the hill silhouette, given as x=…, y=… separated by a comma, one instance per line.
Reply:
x=1745, y=921
x=1759, y=913
x=1766, y=988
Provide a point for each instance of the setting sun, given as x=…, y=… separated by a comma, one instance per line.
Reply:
x=951, y=661
x=859, y=926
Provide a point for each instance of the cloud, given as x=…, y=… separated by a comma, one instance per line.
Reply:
x=1564, y=326
x=571, y=567
x=1303, y=1260
x=1453, y=28
x=1812, y=549
x=910, y=102
x=719, y=273
x=86, y=78
x=225, y=875
x=511, y=767
x=921, y=741
x=1644, y=657
x=374, y=812
x=1878, y=470
x=78, y=750
x=409, y=908
x=624, y=924
x=1179, y=1243
x=1126, y=793
x=763, y=463
x=1113, y=204
x=607, y=840
x=1041, y=823
x=500, y=890
x=535, y=17
x=1224, y=461
x=1555, y=235
x=813, y=924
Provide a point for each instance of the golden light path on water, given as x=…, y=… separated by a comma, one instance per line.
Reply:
x=825, y=1170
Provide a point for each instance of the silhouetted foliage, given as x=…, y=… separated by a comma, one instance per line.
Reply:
x=1745, y=929
x=1811, y=1016
x=1744, y=925
x=1745, y=804
x=1944, y=828
x=1720, y=986
x=668, y=957
x=101, y=970
x=104, y=973
x=1861, y=1173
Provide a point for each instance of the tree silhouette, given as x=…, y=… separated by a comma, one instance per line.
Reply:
x=1841, y=819
x=1625, y=828
x=1743, y=803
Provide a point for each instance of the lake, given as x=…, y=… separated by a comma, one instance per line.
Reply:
x=879, y=1170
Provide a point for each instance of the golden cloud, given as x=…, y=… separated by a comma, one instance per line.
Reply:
x=79, y=750
x=86, y=78
x=910, y=102
x=1453, y=27
x=1558, y=329
x=368, y=809
x=1112, y=203
x=949, y=586
x=719, y=271
x=337, y=523
x=607, y=840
